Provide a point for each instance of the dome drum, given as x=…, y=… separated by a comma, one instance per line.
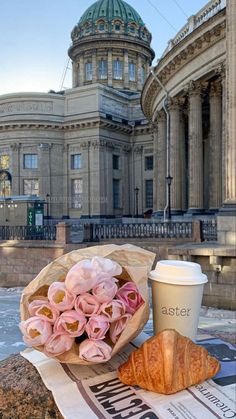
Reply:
x=111, y=45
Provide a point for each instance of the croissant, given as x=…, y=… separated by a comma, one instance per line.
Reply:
x=167, y=363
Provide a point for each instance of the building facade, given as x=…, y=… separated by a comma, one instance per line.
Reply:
x=87, y=150
x=93, y=151
x=195, y=70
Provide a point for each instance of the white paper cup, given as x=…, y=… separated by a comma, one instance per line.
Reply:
x=177, y=289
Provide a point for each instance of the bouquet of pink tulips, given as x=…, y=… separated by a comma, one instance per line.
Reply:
x=84, y=316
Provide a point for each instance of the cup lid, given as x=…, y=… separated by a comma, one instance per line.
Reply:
x=178, y=272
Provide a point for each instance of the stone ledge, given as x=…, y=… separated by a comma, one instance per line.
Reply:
x=22, y=392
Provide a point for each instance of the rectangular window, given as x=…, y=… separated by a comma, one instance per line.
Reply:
x=132, y=72
x=89, y=71
x=75, y=161
x=30, y=161
x=4, y=162
x=117, y=70
x=31, y=187
x=149, y=193
x=102, y=70
x=116, y=162
x=76, y=193
x=116, y=193
x=149, y=163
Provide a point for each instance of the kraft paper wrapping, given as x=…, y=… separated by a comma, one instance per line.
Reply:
x=136, y=264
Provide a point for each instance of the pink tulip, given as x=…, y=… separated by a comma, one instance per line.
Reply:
x=105, y=268
x=105, y=291
x=36, y=331
x=97, y=327
x=87, y=304
x=117, y=327
x=60, y=297
x=58, y=344
x=44, y=310
x=94, y=351
x=82, y=277
x=113, y=310
x=70, y=322
x=130, y=296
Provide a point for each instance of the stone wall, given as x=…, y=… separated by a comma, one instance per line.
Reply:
x=219, y=264
x=21, y=262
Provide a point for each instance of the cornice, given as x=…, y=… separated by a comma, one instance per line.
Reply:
x=177, y=58
x=72, y=126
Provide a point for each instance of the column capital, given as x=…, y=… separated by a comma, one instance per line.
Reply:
x=175, y=103
x=15, y=146
x=154, y=127
x=220, y=71
x=161, y=116
x=195, y=88
x=216, y=88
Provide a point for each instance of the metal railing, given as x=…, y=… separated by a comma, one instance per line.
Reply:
x=143, y=231
x=28, y=232
x=208, y=11
x=209, y=230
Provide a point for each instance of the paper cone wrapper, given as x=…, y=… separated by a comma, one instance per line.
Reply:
x=136, y=264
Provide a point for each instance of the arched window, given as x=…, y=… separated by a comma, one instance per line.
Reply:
x=101, y=26
x=5, y=183
x=117, y=69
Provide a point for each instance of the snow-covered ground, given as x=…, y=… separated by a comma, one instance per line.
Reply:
x=11, y=340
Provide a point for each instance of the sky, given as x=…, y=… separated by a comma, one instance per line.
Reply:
x=35, y=37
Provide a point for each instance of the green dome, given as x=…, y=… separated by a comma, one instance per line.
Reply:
x=110, y=10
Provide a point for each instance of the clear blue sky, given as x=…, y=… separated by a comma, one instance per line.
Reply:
x=35, y=36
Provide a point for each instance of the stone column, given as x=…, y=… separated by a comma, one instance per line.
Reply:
x=66, y=185
x=195, y=150
x=126, y=69
x=222, y=74
x=184, y=173
x=140, y=86
x=44, y=170
x=215, y=196
x=94, y=65
x=227, y=219
x=15, y=158
x=160, y=164
x=175, y=155
x=75, y=74
x=81, y=70
x=110, y=68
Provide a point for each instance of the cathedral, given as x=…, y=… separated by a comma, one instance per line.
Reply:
x=124, y=140
x=88, y=150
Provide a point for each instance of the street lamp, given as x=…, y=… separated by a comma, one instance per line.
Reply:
x=47, y=202
x=136, y=190
x=167, y=209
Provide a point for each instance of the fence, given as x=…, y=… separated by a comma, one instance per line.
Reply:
x=209, y=230
x=158, y=230
x=28, y=232
x=205, y=230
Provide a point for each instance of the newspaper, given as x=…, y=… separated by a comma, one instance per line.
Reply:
x=96, y=392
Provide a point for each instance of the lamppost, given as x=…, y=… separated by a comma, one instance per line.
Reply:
x=47, y=203
x=136, y=190
x=167, y=209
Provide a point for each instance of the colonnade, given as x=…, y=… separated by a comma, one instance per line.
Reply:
x=188, y=152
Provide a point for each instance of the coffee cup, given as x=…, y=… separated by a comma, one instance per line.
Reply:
x=177, y=290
